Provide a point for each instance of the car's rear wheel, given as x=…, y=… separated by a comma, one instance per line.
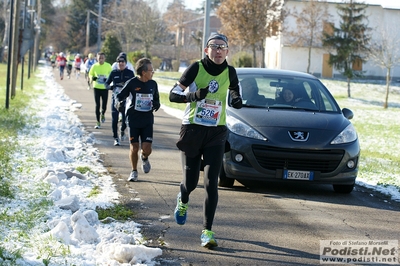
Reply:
x=343, y=188
x=225, y=181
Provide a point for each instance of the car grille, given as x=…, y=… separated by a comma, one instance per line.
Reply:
x=272, y=158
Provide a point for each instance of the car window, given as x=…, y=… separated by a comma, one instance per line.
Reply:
x=285, y=92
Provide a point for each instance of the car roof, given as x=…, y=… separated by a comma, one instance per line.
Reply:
x=266, y=71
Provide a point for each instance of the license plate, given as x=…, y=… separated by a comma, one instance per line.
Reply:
x=298, y=175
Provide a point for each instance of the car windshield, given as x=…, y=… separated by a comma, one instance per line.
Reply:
x=272, y=91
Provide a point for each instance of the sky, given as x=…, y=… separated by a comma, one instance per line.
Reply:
x=193, y=4
x=63, y=144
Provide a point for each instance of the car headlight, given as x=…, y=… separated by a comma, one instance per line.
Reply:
x=349, y=134
x=238, y=127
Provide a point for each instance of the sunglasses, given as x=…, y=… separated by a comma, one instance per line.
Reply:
x=121, y=61
x=214, y=46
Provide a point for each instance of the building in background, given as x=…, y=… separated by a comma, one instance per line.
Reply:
x=282, y=53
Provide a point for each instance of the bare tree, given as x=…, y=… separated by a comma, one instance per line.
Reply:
x=57, y=34
x=149, y=26
x=122, y=22
x=384, y=52
x=248, y=23
x=141, y=26
x=175, y=16
x=309, y=26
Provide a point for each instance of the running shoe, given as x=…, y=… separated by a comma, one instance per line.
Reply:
x=133, y=177
x=97, y=125
x=180, y=210
x=145, y=165
x=207, y=239
x=116, y=142
x=122, y=135
x=103, y=118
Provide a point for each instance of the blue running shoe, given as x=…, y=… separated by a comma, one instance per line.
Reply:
x=180, y=210
x=207, y=239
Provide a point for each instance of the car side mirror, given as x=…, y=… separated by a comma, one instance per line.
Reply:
x=347, y=113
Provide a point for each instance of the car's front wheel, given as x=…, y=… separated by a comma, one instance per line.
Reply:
x=225, y=181
x=343, y=188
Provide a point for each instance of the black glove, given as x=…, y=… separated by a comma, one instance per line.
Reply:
x=236, y=103
x=120, y=106
x=198, y=95
x=94, y=78
x=156, y=106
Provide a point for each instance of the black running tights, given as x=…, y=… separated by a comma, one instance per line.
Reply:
x=212, y=157
x=103, y=95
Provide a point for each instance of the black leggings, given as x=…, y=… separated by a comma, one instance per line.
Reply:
x=103, y=95
x=115, y=118
x=212, y=157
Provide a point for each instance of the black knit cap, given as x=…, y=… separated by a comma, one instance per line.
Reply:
x=217, y=36
x=121, y=56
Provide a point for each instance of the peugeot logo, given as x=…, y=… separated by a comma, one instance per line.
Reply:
x=299, y=135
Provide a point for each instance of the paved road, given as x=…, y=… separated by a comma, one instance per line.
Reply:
x=271, y=224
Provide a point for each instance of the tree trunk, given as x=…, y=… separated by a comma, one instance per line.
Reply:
x=263, y=54
x=309, y=59
x=385, y=105
x=348, y=88
x=178, y=49
x=254, y=55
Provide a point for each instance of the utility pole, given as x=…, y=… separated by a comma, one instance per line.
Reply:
x=31, y=12
x=14, y=48
x=87, y=29
x=9, y=54
x=206, y=30
x=37, y=36
x=99, y=26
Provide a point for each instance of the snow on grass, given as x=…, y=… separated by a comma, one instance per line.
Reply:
x=378, y=131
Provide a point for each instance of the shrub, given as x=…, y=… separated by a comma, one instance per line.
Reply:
x=133, y=57
x=242, y=59
x=111, y=48
x=156, y=62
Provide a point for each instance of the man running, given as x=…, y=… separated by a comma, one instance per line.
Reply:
x=61, y=62
x=88, y=64
x=98, y=74
x=143, y=99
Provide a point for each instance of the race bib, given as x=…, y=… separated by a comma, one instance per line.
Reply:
x=208, y=112
x=101, y=79
x=143, y=102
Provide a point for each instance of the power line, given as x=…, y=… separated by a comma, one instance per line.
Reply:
x=120, y=23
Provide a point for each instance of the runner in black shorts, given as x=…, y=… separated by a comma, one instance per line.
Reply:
x=145, y=133
x=143, y=99
x=204, y=87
